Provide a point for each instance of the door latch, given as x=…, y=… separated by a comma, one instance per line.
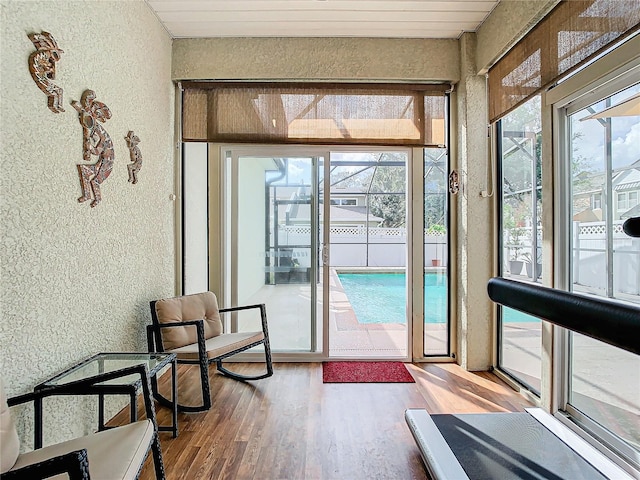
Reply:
x=325, y=255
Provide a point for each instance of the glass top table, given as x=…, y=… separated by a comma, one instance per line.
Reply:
x=113, y=373
x=110, y=362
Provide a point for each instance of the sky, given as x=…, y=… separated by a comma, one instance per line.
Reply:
x=625, y=135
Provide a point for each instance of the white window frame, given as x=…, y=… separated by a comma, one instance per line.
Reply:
x=605, y=77
x=622, y=202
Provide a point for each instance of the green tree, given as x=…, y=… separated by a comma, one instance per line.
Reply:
x=391, y=208
x=387, y=192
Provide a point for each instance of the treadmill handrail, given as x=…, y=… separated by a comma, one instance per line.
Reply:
x=615, y=323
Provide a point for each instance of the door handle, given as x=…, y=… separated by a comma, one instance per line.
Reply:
x=325, y=255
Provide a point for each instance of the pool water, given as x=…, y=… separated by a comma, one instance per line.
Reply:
x=381, y=297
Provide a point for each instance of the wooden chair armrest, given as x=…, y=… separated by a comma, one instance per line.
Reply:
x=75, y=464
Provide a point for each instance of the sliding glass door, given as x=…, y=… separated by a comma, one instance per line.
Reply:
x=603, y=179
x=520, y=166
x=365, y=200
x=323, y=238
x=273, y=251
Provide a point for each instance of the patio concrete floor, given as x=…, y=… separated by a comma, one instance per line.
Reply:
x=289, y=311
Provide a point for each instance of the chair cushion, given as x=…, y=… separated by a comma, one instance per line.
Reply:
x=9, y=441
x=220, y=345
x=117, y=453
x=189, y=307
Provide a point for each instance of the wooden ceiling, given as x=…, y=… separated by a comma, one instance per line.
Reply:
x=321, y=18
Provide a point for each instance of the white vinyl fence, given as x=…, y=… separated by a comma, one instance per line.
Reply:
x=590, y=258
x=593, y=263
x=357, y=246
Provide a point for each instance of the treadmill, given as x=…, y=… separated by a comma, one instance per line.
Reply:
x=532, y=444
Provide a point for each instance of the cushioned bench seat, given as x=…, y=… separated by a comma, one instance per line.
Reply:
x=117, y=453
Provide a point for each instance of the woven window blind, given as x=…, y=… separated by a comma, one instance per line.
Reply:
x=409, y=115
x=571, y=34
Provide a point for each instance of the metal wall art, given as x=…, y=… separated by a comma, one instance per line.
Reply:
x=135, y=155
x=42, y=65
x=96, y=141
x=454, y=182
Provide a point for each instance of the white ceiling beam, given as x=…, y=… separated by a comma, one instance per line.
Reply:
x=316, y=30
x=313, y=5
x=321, y=18
x=471, y=19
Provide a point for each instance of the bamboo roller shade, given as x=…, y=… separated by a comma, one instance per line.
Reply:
x=571, y=34
x=408, y=115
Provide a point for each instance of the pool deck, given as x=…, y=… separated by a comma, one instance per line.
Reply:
x=289, y=307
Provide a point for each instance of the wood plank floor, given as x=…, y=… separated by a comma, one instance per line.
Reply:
x=292, y=426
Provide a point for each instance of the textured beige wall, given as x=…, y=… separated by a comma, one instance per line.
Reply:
x=316, y=59
x=475, y=238
x=77, y=280
x=508, y=22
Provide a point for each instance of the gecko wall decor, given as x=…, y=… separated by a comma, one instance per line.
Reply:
x=135, y=155
x=42, y=65
x=95, y=141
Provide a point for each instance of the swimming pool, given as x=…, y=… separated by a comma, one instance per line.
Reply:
x=381, y=297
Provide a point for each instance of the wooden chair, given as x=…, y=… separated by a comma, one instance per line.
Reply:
x=116, y=453
x=190, y=326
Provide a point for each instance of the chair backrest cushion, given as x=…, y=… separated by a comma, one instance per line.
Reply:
x=188, y=307
x=9, y=441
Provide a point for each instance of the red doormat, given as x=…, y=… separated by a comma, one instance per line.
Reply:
x=365, y=372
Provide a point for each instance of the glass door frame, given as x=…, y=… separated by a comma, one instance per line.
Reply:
x=223, y=155
x=410, y=248
x=230, y=155
x=588, y=86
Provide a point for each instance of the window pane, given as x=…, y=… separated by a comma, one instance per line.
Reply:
x=367, y=254
x=521, y=253
x=436, y=318
x=275, y=244
x=195, y=216
x=605, y=385
x=604, y=380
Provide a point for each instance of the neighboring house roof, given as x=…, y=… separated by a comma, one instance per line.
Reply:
x=624, y=178
x=588, y=215
x=627, y=186
x=628, y=179
x=297, y=191
x=346, y=213
x=632, y=212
